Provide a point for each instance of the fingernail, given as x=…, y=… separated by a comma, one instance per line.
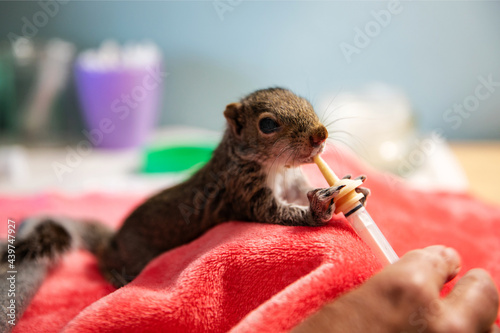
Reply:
x=450, y=253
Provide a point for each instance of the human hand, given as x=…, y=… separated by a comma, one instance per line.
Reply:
x=405, y=297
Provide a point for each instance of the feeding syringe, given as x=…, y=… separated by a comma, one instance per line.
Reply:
x=348, y=202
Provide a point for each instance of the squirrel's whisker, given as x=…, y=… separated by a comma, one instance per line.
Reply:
x=273, y=173
x=329, y=104
x=351, y=145
x=338, y=119
x=362, y=143
x=330, y=113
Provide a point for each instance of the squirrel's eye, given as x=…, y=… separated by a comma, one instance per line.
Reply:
x=268, y=126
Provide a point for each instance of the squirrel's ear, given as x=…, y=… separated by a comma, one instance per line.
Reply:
x=233, y=117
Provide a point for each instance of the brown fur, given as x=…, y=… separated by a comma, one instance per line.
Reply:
x=234, y=185
x=244, y=181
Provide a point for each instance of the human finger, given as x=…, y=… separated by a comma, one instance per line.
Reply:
x=474, y=301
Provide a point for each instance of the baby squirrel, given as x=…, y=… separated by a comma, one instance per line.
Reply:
x=270, y=133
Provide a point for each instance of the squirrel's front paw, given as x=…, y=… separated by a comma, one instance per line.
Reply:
x=322, y=203
x=362, y=190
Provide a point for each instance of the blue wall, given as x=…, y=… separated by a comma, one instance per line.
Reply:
x=434, y=51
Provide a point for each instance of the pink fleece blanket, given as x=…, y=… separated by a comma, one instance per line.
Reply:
x=248, y=277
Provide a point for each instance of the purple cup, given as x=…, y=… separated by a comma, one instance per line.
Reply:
x=120, y=105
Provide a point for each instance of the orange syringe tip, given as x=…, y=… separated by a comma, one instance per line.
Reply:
x=348, y=198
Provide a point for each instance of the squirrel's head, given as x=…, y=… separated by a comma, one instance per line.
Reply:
x=275, y=126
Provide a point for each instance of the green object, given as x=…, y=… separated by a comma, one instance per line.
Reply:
x=176, y=159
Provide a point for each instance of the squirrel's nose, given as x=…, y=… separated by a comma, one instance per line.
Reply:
x=319, y=137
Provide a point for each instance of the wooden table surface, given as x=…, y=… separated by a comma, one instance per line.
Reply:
x=481, y=163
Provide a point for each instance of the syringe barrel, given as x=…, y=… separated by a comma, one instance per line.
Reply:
x=368, y=231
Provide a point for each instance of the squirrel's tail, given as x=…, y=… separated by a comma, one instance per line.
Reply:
x=38, y=245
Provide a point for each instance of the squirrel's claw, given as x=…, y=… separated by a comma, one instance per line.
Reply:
x=322, y=203
x=362, y=190
x=362, y=178
x=349, y=176
x=366, y=192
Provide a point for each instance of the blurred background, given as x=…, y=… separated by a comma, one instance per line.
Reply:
x=402, y=78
